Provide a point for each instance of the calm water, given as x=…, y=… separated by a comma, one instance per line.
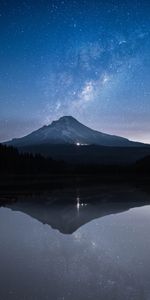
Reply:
x=76, y=244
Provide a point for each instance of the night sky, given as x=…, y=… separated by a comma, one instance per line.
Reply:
x=85, y=58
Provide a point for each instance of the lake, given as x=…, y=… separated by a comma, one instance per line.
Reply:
x=83, y=243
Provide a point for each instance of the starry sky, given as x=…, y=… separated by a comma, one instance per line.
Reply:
x=85, y=58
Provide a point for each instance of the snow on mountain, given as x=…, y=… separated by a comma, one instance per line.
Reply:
x=67, y=130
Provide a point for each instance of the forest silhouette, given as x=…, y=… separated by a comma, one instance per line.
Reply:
x=14, y=162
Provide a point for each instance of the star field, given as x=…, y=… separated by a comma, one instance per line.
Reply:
x=88, y=59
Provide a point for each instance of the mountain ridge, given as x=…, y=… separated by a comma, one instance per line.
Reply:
x=68, y=130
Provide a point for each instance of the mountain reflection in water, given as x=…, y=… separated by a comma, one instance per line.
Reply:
x=100, y=249
x=67, y=210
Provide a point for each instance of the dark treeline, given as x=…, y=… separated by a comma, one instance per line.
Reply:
x=14, y=162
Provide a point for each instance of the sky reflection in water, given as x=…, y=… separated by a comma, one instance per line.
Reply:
x=97, y=250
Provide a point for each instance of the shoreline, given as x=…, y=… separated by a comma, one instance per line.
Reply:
x=50, y=182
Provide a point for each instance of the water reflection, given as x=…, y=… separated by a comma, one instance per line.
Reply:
x=68, y=210
x=100, y=249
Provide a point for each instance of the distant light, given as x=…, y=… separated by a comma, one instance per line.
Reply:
x=78, y=203
x=81, y=144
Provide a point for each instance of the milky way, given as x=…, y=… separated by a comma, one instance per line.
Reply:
x=88, y=59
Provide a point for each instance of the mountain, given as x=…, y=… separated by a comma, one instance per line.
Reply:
x=67, y=130
x=60, y=141
x=66, y=210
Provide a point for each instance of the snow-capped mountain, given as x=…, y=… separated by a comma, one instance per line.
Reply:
x=67, y=130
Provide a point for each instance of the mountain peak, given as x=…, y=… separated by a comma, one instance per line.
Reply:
x=65, y=119
x=68, y=130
